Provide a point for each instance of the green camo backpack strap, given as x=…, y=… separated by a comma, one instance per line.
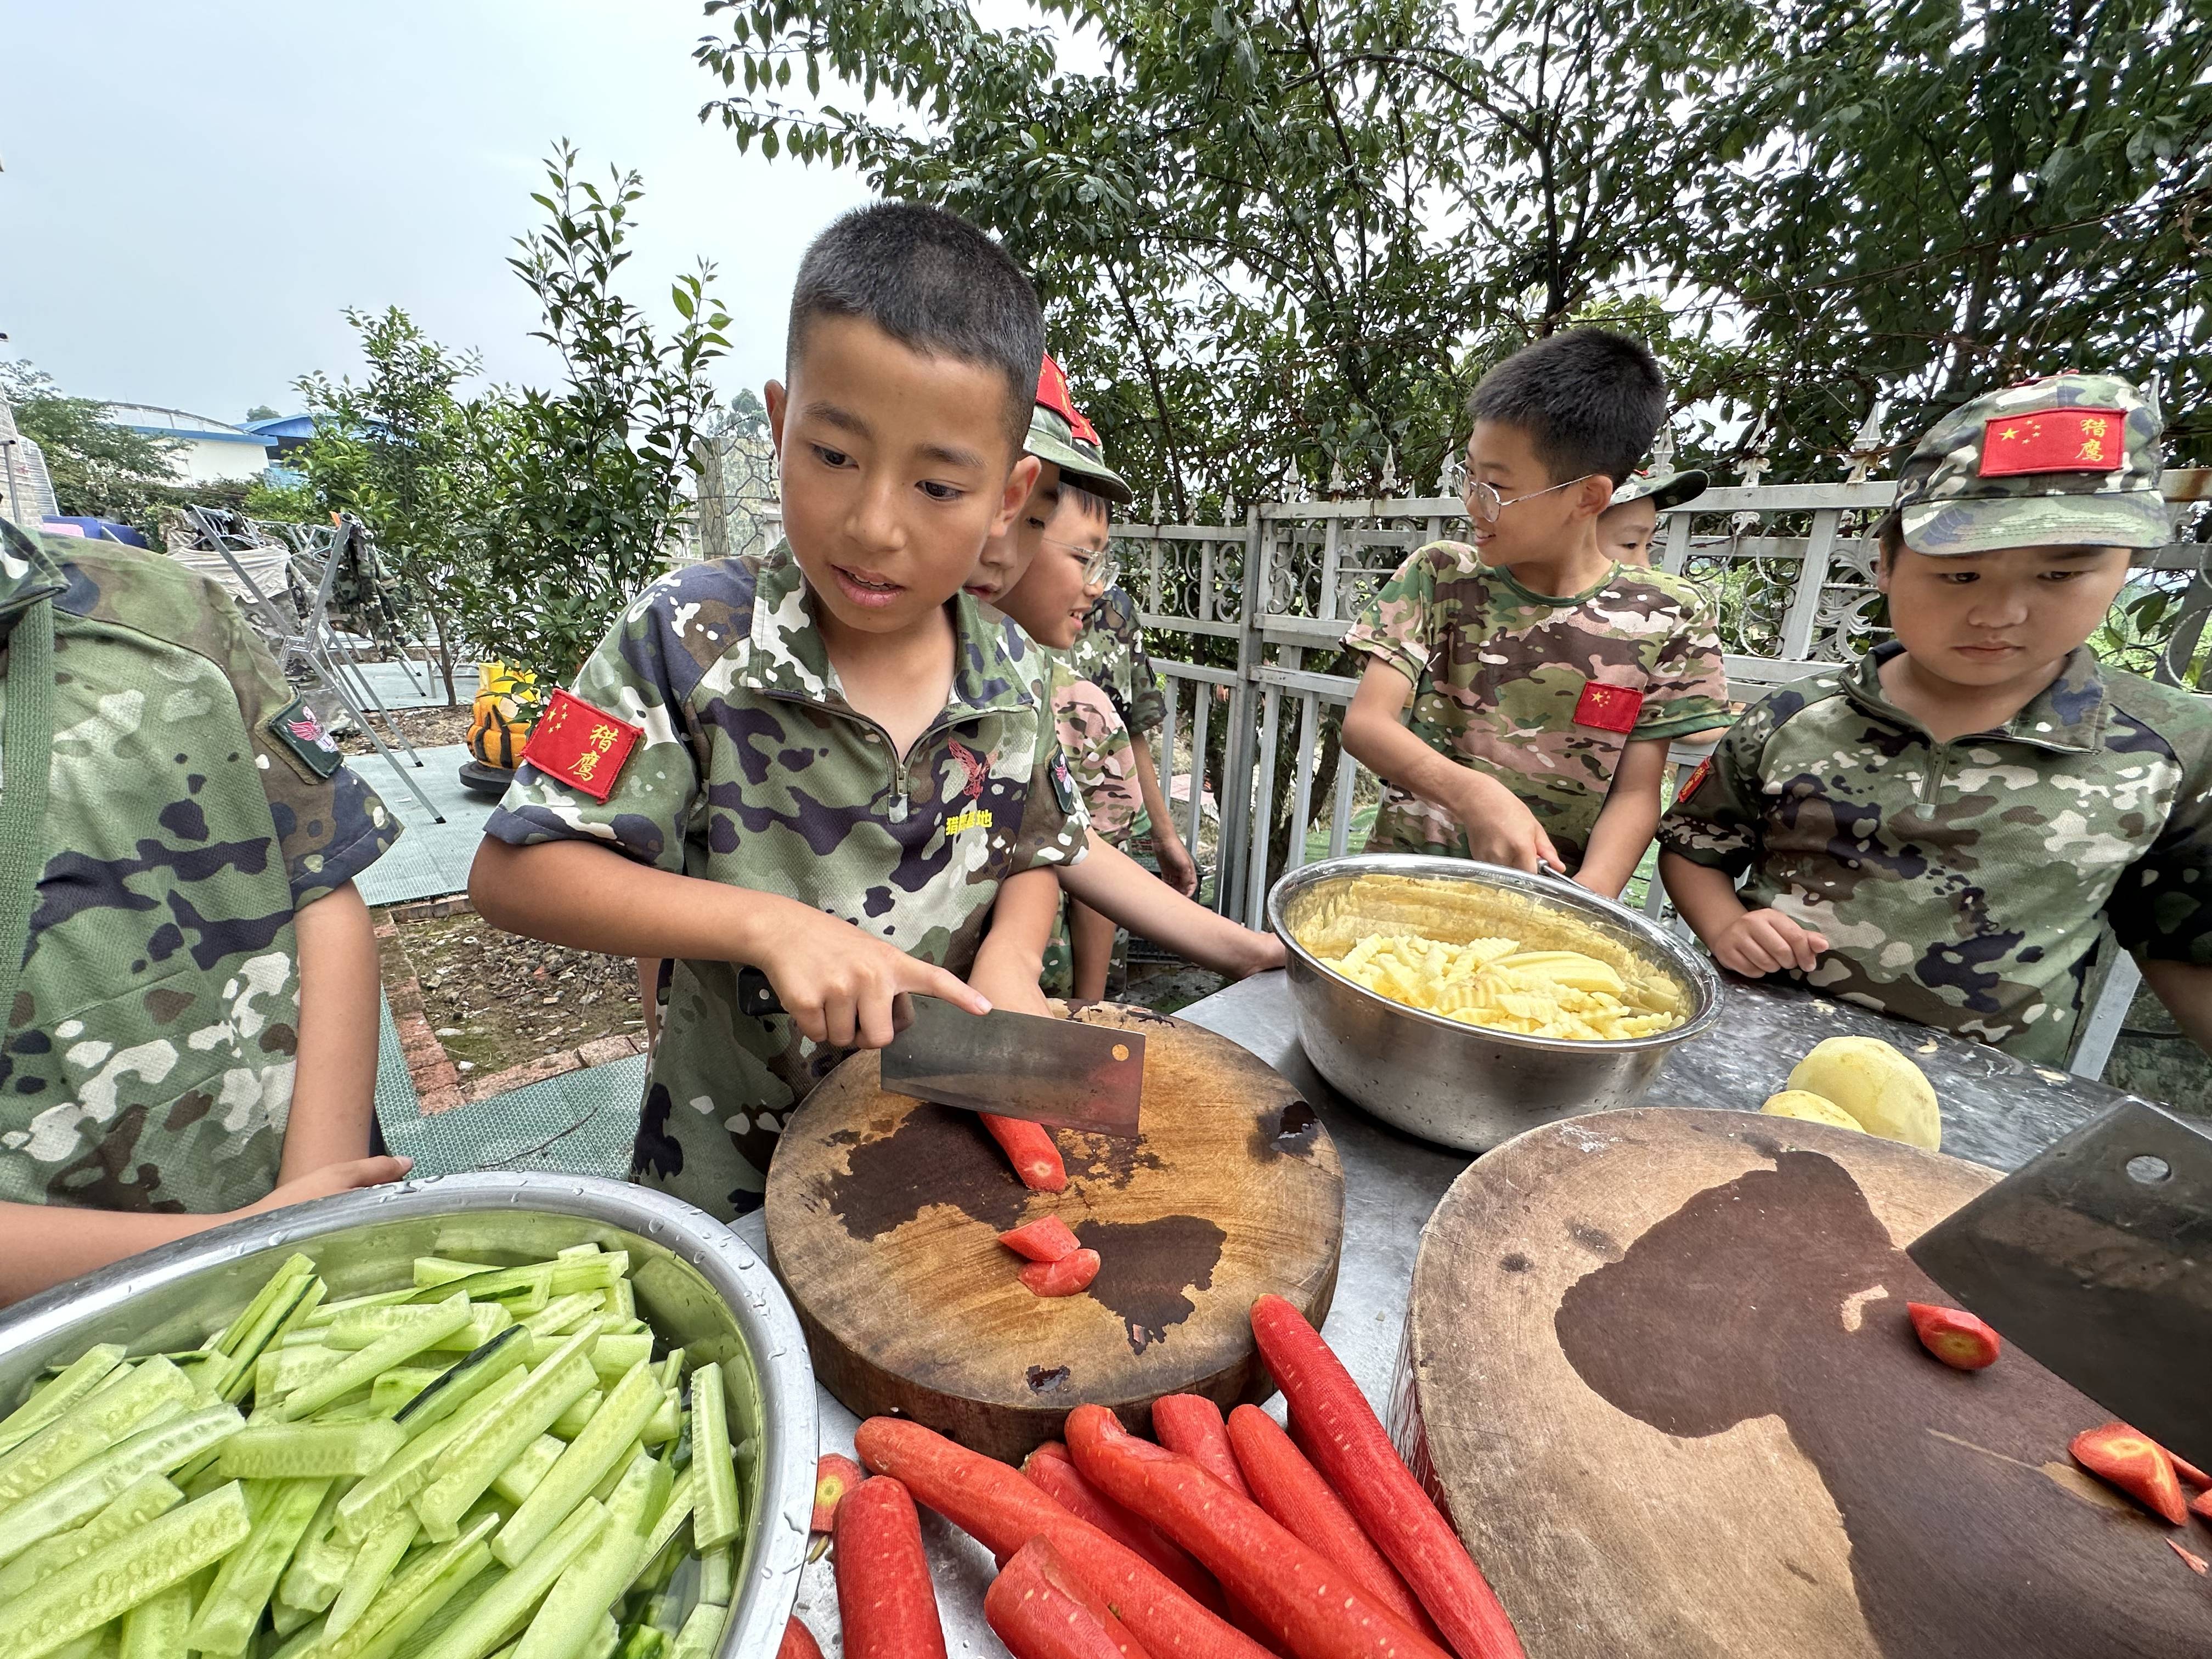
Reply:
x=27, y=747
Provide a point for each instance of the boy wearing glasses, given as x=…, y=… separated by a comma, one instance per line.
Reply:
x=1547, y=679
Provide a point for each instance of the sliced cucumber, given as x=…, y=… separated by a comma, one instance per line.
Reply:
x=364, y=1326
x=379, y=1556
x=611, y=1355
x=90, y=1426
x=716, y=1519
x=609, y=1436
x=718, y=1570
x=302, y=1451
x=156, y=1628
x=670, y=1520
x=468, y=1377
x=526, y=1288
x=413, y=1596
x=148, y=1496
x=600, y=1272
x=526, y=1413
x=394, y=1391
x=92, y=1484
x=596, y=1579
x=53, y=1397
x=519, y=1478
x=573, y=1421
x=363, y=1367
x=564, y=1314
x=280, y=1370
x=700, y=1631
x=509, y=1603
x=236, y=1376
x=376, y=1498
x=621, y=1299
x=223, y=1622
x=108, y=1583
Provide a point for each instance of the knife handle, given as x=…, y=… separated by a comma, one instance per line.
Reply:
x=755, y=996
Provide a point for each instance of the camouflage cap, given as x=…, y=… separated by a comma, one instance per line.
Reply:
x=1665, y=489
x=1059, y=433
x=2067, y=460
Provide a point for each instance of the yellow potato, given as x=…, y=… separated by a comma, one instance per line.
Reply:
x=1812, y=1108
x=1885, y=1091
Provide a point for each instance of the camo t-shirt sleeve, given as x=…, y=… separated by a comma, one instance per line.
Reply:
x=329, y=824
x=1400, y=625
x=2162, y=906
x=1715, y=820
x=1687, y=688
x=1055, y=824
x=642, y=673
x=1148, y=704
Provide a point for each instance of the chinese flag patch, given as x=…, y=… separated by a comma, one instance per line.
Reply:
x=581, y=747
x=1609, y=708
x=1695, y=780
x=2054, y=441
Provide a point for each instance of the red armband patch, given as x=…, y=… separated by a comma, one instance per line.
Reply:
x=1695, y=782
x=2054, y=441
x=1609, y=708
x=581, y=747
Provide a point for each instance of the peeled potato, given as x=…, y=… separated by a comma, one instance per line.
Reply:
x=1877, y=1086
x=1814, y=1109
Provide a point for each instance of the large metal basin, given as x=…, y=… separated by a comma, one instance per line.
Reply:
x=1463, y=1086
x=696, y=1283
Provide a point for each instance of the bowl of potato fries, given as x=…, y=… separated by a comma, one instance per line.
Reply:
x=1467, y=1002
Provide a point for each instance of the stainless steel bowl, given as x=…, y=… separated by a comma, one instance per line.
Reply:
x=697, y=1283
x=1464, y=1085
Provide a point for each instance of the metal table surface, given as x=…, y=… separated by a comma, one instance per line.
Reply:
x=1996, y=1110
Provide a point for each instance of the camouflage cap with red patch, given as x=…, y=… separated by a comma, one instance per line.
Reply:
x=1062, y=434
x=2067, y=460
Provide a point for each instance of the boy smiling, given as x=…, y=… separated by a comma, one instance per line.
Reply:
x=1946, y=829
x=825, y=761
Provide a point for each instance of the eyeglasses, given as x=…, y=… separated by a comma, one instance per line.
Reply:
x=1100, y=564
x=1483, y=502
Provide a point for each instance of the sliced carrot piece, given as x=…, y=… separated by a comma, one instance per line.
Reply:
x=833, y=1476
x=1031, y=1150
x=2137, y=1465
x=1046, y=1239
x=1065, y=1277
x=1953, y=1336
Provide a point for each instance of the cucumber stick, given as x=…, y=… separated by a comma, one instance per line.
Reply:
x=91, y=1425
x=237, y=1373
x=700, y=1631
x=609, y=1436
x=564, y=1314
x=611, y=1355
x=573, y=1421
x=77, y=1379
x=109, y=1582
x=527, y=1412
x=672, y=1516
x=363, y=1367
x=596, y=1579
x=148, y=1496
x=375, y=1498
x=715, y=1518
x=717, y=1575
x=470, y=1375
x=318, y=1565
x=412, y=1597
x=156, y=1628
x=520, y=1478
x=398, y=1388
x=88, y=1488
x=224, y=1621
x=365, y=1326
x=300, y=1451
x=510, y=1601
x=379, y=1556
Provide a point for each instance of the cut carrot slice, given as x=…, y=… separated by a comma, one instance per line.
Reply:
x=1953, y=1336
x=833, y=1477
x=2137, y=1465
x=1048, y=1239
x=1067, y=1277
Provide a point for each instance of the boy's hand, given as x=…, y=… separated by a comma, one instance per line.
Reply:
x=1012, y=984
x=839, y=984
x=1176, y=867
x=331, y=1180
x=1500, y=828
x=1268, y=953
x=1762, y=941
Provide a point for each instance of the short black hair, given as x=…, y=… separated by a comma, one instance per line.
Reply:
x=1088, y=503
x=933, y=283
x=1590, y=401
x=1889, y=535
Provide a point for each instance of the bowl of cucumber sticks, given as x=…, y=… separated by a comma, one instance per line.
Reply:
x=532, y=1416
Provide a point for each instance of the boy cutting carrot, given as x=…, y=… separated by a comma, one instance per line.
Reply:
x=825, y=762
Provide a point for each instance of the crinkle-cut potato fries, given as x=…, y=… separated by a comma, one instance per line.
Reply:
x=1486, y=957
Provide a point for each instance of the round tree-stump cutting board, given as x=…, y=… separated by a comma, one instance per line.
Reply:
x=1661, y=1372
x=883, y=1214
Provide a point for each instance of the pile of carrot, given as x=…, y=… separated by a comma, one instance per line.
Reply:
x=1222, y=1540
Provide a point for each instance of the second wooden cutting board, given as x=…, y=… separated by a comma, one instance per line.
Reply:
x=883, y=1214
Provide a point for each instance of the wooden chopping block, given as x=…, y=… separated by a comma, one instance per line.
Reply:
x=883, y=1214
x=1661, y=1375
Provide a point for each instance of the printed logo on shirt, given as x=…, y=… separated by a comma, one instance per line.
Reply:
x=300, y=731
x=1063, y=786
x=1609, y=708
x=584, y=747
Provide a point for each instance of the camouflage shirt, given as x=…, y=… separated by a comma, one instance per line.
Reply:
x=1098, y=751
x=754, y=770
x=1542, y=693
x=195, y=807
x=1960, y=883
x=1109, y=653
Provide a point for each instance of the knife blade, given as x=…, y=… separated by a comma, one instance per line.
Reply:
x=1053, y=1071
x=2095, y=1257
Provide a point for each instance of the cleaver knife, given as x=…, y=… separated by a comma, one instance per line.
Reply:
x=1049, y=1071
x=2095, y=1257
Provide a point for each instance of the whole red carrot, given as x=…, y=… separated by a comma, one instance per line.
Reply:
x=833, y=1476
x=885, y=1603
x=1002, y=1511
x=1191, y=1424
x=1350, y=1446
x=798, y=1643
x=1041, y=1609
x=1053, y=1471
x=1306, y=1599
x=1286, y=1485
x=1029, y=1147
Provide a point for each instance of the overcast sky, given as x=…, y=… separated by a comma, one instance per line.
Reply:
x=192, y=194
